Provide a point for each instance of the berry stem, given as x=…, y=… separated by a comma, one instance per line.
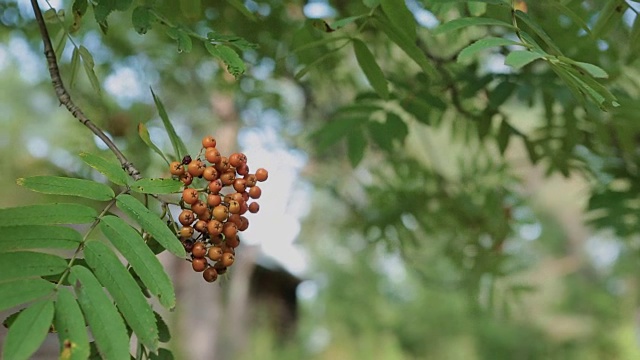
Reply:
x=65, y=98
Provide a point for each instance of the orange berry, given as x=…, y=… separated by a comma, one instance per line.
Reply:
x=220, y=213
x=215, y=186
x=176, y=168
x=210, y=173
x=233, y=242
x=229, y=230
x=186, y=179
x=208, y=142
x=199, y=264
x=214, y=200
x=215, y=253
x=244, y=224
x=212, y=155
x=190, y=196
x=255, y=192
x=214, y=227
x=262, y=174
x=250, y=180
x=234, y=207
x=196, y=168
x=199, y=207
x=210, y=274
x=186, y=217
x=186, y=232
x=227, y=259
x=254, y=207
x=201, y=226
x=199, y=250
x=228, y=177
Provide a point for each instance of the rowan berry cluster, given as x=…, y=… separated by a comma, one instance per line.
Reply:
x=213, y=211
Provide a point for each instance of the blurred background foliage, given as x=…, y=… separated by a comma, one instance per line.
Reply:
x=475, y=212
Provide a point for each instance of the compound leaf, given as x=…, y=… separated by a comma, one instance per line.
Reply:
x=28, y=331
x=57, y=185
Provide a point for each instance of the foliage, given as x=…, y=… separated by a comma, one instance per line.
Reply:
x=451, y=215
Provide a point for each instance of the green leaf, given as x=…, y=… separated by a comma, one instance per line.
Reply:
x=144, y=135
x=593, y=70
x=151, y=223
x=163, y=354
x=184, y=40
x=142, y=19
x=340, y=23
x=124, y=290
x=570, y=14
x=47, y=214
x=239, y=5
x=38, y=237
x=28, y=331
x=400, y=17
x=141, y=259
x=75, y=64
x=610, y=16
x=163, y=329
x=61, y=43
x=384, y=134
x=356, y=145
x=157, y=186
x=70, y=326
x=520, y=58
x=482, y=44
x=538, y=30
x=408, y=46
x=18, y=292
x=469, y=21
x=504, y=135
x=123, y=5
x=229, y=57
x=102, y=9
x=67, y=186
x=335, y=130
x=178, y=145
x=102, y=316
x=80, y=6
x=370, y=67
x=501, y=93
x=634, y=37
x=27, y=264
x=110, y=169
x=88, y=64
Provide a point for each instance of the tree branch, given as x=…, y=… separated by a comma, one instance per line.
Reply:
x=65, y=98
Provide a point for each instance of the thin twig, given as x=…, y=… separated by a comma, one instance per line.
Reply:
x=65, y=98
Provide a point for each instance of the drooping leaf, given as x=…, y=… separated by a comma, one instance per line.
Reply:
x=18, y=292
x=111, y=170
x=356, y=145
x=70, y=326
x=610, y=15
x=469, y=21
x=27, y=237
x=519, y=58
x=27, y=264
x=163, y=329
x=400, y=16
x=229, y=57
x=88, y=64
x=143, y=132
x=185, y=44
x=102, y=316
x=141, y=259
x=370, y=67
x=157, y=186
x=408, y=46
x=124, y=290
x=47, y=214
x=504, y=134
x=75, y=65
x=151, y=223
x=539, y=31
x=68, y=186
x=176, y=141
x=482, y=44
x=142, y=19
x=28, y=331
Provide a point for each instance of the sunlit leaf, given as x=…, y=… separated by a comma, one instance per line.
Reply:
x=370, y=67
x=67, y=186
x=27, y=237
x=151, y=223
x=235, y=65
x=176, y=141
x=18, y=292
x=141, y=258
x=489, y=42
x=27, y=264
x=125, y=292
x=143, y=132
x=157, y=186
x=110, y=169
x=519, y=58
x=47, y=214
x=28, y=331
x=70, y=326
x=102, y=316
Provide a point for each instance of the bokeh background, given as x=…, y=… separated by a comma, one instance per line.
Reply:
x=435, y=246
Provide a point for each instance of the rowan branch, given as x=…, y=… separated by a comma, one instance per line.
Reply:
x=65, y=98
